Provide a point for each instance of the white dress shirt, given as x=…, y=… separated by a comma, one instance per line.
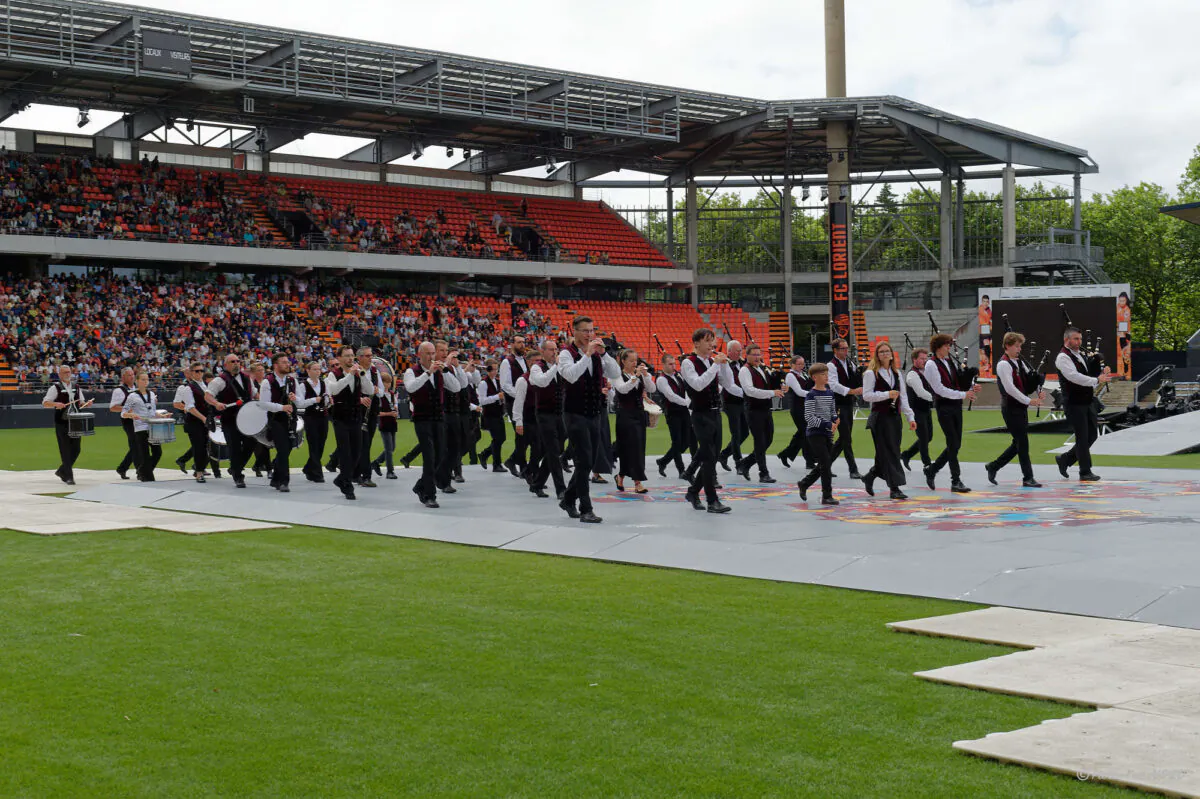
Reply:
x=134, y=404
x=262, y=393
x=664, y=388
x=544, y=376
x=506, y=377
x=72, y=393
x=312, y=391
x=723, y=374
x=834, y=384
x=484, y=397
x=934, y=376
x=885, y=385
x=183, y=394
x=914, y=382
x=1068, y=369
x=792, y=381
x=334, y=386
x=571, y=370
x=119, y=395
x=521, y=389
x=626, y=383
x=746, y=378
x=1004, y=373
x=413, y=384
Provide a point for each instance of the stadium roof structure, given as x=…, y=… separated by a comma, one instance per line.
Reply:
x=1188, y=212
x=157, y=67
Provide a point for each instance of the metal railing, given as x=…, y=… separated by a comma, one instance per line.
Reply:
x=1151, y=382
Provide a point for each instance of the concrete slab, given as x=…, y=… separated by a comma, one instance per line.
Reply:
x=134, y=496
x=198, y=525
x=1178, y=607
x=571, y=542
x=1047, y=589
x=1017, y=627
x=1180, y=704
x=1180, y=433
x=1138, y=750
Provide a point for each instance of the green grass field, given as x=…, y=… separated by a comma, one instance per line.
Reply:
x=308, y=662
x=35, y=449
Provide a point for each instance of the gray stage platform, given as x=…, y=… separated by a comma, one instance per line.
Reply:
x=1169, y=436
x=1128, y=547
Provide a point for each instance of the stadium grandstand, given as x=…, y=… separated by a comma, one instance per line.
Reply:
x=190, y=184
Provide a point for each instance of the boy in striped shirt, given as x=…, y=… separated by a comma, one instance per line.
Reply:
x=821, y=421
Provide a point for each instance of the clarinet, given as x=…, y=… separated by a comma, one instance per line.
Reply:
x=289, y=389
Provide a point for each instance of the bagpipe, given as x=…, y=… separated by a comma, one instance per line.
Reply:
x=1093, y=359
x=967, y=374
x=1031, y=379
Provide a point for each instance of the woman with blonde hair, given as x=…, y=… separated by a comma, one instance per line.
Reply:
x=884, y=391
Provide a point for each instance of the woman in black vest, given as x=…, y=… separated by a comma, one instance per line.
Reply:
x=388, y=416
x=631, y=387
x=141, y=405
x=884, y=391
x=492, y=401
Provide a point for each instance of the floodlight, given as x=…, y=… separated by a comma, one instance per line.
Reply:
x=83, y=118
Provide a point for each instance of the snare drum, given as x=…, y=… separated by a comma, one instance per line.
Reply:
x=298, y=435
x=252, y=422
x=653, y=412
x=218, y=448
x=80, y=424
x=162, y=429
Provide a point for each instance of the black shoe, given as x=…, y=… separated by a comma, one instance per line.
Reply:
x=785, y=460
x=449, y=490
x=991, y=473
x=405, y=462
x=392, y=476
x=958, y=488
x=569, y=507
x=869, y=484
x=258, y=472
x=567, y=467
x=1062, y=467
x=239, y=482
x=375, y=465
x=499, y=470
x=829, y=501
x=803, y=489
x=619, y=482
x=331, y=467
x=898, y=494
x=200, y=479
x=349, y=494
x=217, y=474
x=540, y=493
x=1030, y=483
x=71, y=482
x=1090, y=477
x=907, y=461
x=123, y=475
x=854, y=475
x=458, y=478
x=598, y=479
x=512, y=468
x=368, y=483
x=662, y=469
x=718, y=485
x=182, y=464
x=743, y=470
x=558, y=495
x=587, y=517
x=282, y=489
x=483, y=459
x=430, y=503
x=832, y=475
x=724, y=461
x=718, y=507
x=694, y=499
x=766, y=478
x=929, y=477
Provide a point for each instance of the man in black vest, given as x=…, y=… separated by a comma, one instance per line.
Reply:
x=314, y=401
x=491, y=400
x=371, y=387
x=278, y=393
x=227, y=392
x=190, y=400
x=845, y=381
x=920, y=399
x=512, y=367
x=454, y=403
x=704, y=377
x=943, y=376
x=735, y=409
x=117, y=405
x=798, y=385
x=759, y=397
x=581, y=365
x=679, y=421
x=60, y=396
x=1014, y=407
x=1079, y=403
x=547, y=408
x=348, y=412
x=426, y=383
x=262, y=455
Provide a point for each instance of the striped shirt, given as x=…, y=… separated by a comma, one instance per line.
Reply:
x=819, y=412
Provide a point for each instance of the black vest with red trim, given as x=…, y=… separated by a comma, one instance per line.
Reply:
x=316, y=410
x=949, y=374
x=387, y=404
x=631, y=401
x=709, y=398
x=676, y=383
x=278, y=393
x=546, y=399
x=515, y=370
x=65, y=395
x=726, y=397
x=1018, y=379
x=197, y=399
x=455, y=401
x=493, y=410
x=584, y=397
x=760, y=381
x=429, y=400
x=236, y=388
x=850, y=378
x=917, y=403
x=346, y=406
x=887, y=405
x=377, y=383
x=1073, y=393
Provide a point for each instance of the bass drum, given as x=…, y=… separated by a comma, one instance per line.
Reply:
x=252, y=422
x=218, y=448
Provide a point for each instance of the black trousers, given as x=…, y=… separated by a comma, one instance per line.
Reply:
x=197, y=435
x=735, y=412
x=1085, y=424
x=474, y=434
x=821, y=447
x=520, y=445
x=1016, y=419
x=885, y=432
x=316, y=431
x=549, y=436
x=924, y=436
x=457, y=430
x=845, y=439
x=799, y=443
x=68, y=451
x=495, y=428
x=631, y=443
x=348, y=435
x=412, y=454
x=239, y=445
x=279, y=428
x=950, y=420
x=131, y=440
x=431, y=440
x=363, y=470
x=584, y=435
x=707, y=426
x=443, y=468
x=147, y=456
x=762, y=429
x=679, y=426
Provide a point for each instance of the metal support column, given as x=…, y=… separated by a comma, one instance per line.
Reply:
x=785, y=245
x=691, y=238
x=960, y=226
x=1008, y=192
x=670, y=222
x=946, y=238
x=1077, y=210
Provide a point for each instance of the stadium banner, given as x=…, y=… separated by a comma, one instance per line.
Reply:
x=1102, y=312
x=839, y=268
x=166, y=52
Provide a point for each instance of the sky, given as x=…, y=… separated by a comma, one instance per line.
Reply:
x=1114, y=77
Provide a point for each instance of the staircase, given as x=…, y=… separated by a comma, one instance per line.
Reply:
x=780, y=327
x=862, y=342
x=892, y=325
x=8, y=378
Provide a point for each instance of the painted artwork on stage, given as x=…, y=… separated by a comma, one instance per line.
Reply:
x=984, y=316
x=1124, y=337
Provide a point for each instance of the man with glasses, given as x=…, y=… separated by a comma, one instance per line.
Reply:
x=189, y=398
x=845, y=381
x=227, y=392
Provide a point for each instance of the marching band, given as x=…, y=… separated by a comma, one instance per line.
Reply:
x=557, y=399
